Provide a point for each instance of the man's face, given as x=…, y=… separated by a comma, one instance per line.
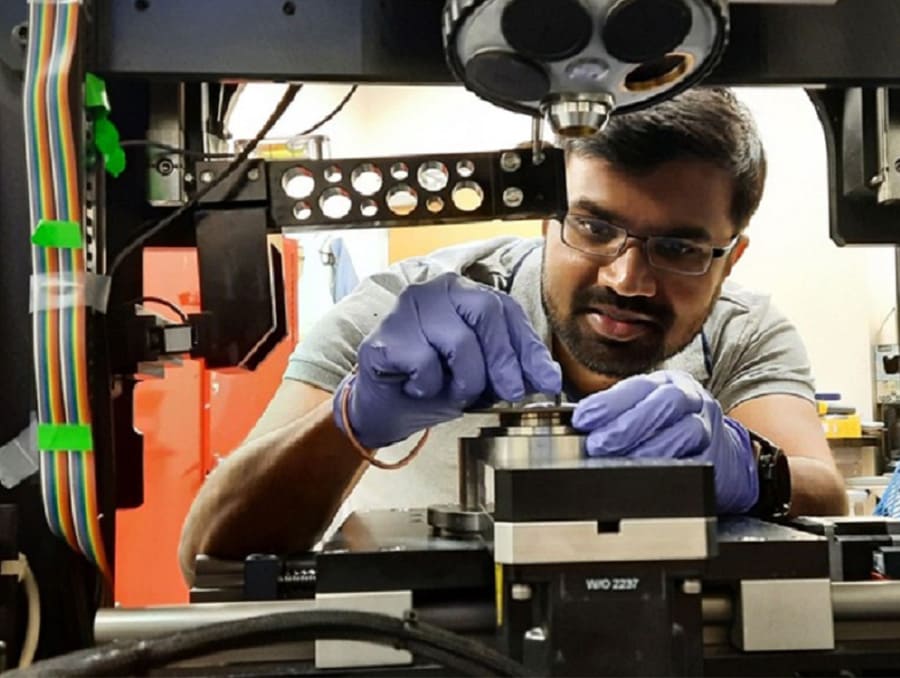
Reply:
x=620, y=316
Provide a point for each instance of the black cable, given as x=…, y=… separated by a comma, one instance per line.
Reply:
x=337, y=109
x=159, y=300
x=149, y=143
x=237, y=162
x=200, y=154
x=461, y=655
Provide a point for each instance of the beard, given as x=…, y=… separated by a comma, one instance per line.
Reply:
x=613, y=358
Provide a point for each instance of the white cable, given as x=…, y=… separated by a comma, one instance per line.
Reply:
x=886, y=318
x=19, y=569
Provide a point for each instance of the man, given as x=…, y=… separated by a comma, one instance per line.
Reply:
x=622, y=306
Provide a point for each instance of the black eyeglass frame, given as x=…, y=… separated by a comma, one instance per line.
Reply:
x=714, y=252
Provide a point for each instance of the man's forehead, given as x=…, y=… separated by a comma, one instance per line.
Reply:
x=680, y=195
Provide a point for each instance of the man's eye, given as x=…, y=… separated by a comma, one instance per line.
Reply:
x=599, y=230
x=677, y=248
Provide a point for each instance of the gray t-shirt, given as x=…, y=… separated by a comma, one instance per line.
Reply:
x=746, y=349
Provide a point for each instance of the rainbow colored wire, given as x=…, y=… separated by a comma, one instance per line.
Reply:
x=68, y=478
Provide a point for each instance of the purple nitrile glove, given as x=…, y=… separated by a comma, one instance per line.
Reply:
x=448, y=343
x=667, y=414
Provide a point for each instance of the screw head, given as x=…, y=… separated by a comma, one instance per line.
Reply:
x=206, y=176
x=510, y=161
x=253, y=174
x=520, y=592
x=165, y=166
x=536, y=634
x=513, y=196
x=692, y=587
x=20, y=34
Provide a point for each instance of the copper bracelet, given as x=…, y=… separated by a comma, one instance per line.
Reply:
x=366, y=453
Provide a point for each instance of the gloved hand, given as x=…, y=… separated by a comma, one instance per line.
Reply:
x=447, y=344
x=667, y=414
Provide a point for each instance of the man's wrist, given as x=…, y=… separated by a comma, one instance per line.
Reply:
x=336, y=410
x=774, y=478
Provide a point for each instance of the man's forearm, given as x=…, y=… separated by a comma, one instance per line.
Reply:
x=816, y=488
x=276, y=493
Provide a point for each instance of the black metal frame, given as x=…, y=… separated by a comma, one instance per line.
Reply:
x=399, y=41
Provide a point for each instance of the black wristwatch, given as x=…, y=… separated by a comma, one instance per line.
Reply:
x=774, y=479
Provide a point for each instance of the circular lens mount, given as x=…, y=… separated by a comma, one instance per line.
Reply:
x=522, y=54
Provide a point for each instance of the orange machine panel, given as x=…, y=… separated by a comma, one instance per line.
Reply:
x=190, y=419
x=168, y=412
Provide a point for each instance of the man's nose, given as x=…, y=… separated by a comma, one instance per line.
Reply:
x=630, y=273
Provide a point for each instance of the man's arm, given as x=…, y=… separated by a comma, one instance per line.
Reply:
x=791, y=422
x=428, y=359
x=280, y=489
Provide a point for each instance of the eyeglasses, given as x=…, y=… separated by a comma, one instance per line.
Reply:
x=601, y=239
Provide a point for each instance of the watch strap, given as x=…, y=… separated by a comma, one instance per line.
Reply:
x=774, y=479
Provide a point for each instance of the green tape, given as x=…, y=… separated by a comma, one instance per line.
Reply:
x=65, y=437
x=96, y=99
x=106, y=139
x=106, y=136
x=62, y=234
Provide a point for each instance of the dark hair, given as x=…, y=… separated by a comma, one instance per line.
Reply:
x=704, y=123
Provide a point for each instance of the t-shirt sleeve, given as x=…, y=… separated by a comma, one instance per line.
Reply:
x=329, y=351
x=768, y=357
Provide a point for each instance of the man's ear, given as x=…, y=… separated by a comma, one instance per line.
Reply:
x=737, y=252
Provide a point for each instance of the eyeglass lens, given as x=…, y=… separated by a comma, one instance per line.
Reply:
x=607, y=240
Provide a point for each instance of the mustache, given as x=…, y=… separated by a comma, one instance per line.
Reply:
x=587, y=298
